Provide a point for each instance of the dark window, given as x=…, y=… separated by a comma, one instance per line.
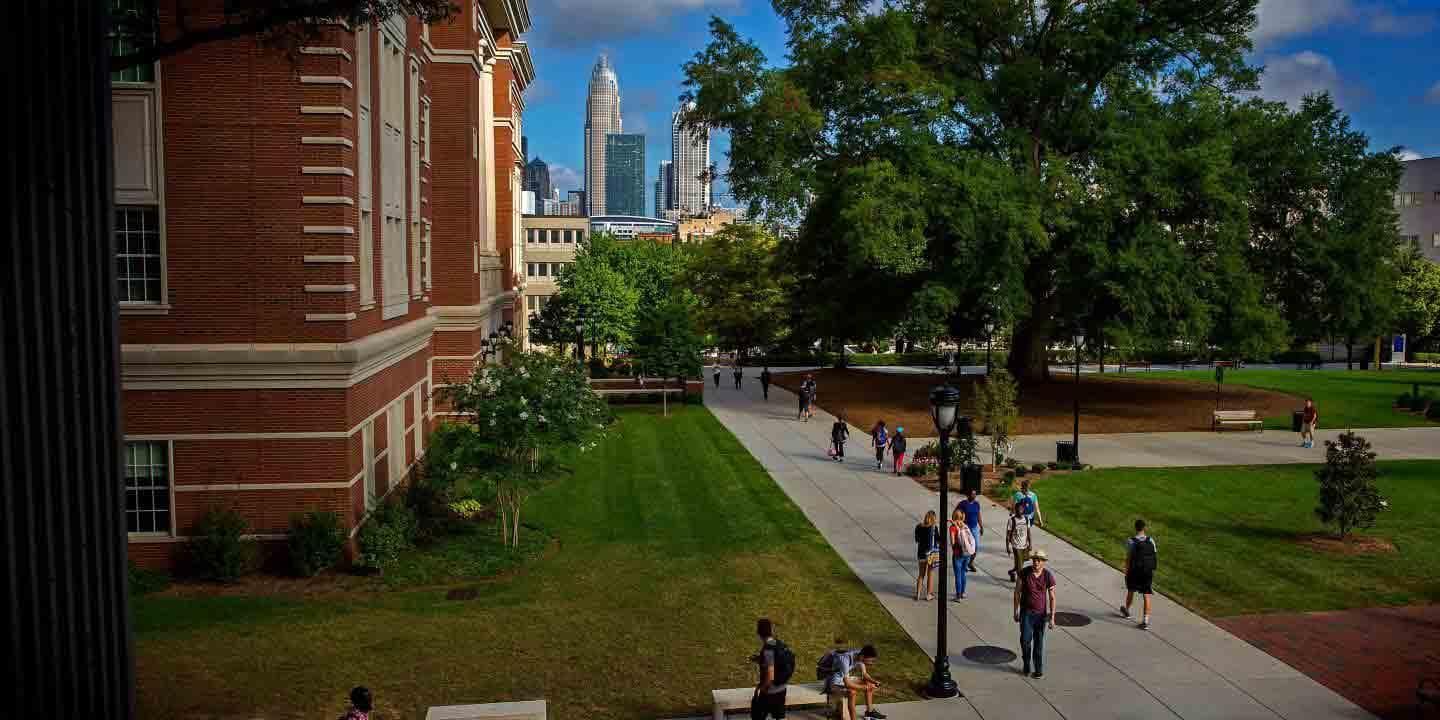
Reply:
x=147, y=487
x=137, y=254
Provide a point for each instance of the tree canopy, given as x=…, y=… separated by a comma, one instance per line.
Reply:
x=1051, y=165
x=742, y=286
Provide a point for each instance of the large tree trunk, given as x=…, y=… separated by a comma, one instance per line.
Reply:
x=1028, y=361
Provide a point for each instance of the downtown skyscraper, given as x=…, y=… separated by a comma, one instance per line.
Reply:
x=664, y=188
x=602, y=118
x=690, y=153
x=624, y=174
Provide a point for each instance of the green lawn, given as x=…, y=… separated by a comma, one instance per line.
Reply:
x=1346, y=399
x=668, y=542
x=1227, y=536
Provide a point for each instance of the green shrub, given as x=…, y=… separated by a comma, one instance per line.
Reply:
x=915, y=469
x=218, y=550
x=1295, y=357
x=390, y=531
x=468, y=508
x=316, y=541
x=1011, y=463
x=1417, y=402
x=1434, y=412
x=1349, y=498
x=1009, y=476
x=1427, y=357
x=1037, y=468
x=144, y=581
x=1021, y=471
x=1403, y=400
x=1052, y=465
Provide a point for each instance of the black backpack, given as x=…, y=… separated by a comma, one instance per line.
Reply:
x=784, y=662
x=825, y=667
x=1144, y=557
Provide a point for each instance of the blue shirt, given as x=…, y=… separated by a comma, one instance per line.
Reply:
x=971, y=508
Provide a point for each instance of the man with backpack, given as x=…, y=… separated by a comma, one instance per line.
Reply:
x=1140, y=563
x=1017, y=539
x=837, y=670
x=777, y=665
x=1029, y=503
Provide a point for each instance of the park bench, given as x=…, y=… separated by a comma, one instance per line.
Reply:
x=1135, y=364
x=1237, y=417
x=796, y=695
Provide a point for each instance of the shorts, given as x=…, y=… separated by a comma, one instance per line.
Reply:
x=1307, y=427
x=1140, y=581
x=771, y=704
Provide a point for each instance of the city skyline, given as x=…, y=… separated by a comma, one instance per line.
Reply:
x=602, y=118
x=1349, y=48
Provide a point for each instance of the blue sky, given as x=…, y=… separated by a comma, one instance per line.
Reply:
x=1379, y=58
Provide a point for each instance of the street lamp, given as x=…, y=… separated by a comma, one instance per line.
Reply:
x=580, y=338
x=989, y=338
x=944, y=406
x=1075, y=437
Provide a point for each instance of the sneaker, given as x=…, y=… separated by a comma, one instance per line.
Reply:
x=1025, y=671
x=873, y=713
x=1124, y=611
x=972, y=568
x=1012, y=575
x=1037, y=674
x=1144, y=624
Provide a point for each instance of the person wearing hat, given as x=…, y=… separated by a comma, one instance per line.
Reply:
x=1035, y=611
x=897, y=449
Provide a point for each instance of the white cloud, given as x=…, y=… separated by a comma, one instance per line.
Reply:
x=1280, y=19
x=1289, y=78
x=1432, y=96
x=584, y=22
x=565, y=179
x=1406, y=154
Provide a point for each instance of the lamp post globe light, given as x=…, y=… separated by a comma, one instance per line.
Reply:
x=944, y=407
x=989, y=341
x=1075, y=437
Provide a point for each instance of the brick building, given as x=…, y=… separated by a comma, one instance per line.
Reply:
x=309, y=246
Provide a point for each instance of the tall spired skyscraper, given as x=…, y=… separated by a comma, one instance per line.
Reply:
x=690, y=152
x=602, y=118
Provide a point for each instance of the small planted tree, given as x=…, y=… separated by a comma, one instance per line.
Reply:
x=666, y=343
x=1349, y=498
x=998, y=410
x=523, y=409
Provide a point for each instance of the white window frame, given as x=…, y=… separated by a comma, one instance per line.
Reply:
x=394, y=274
x=149, y=93
x=419, y=425
x=364, y=159
x=413, y=90
x=367, y=452
x=170, y=481
x=395, y=426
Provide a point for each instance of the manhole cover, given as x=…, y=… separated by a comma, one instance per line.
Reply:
x=1069, y=619
x=988, y=655
x=462, y=594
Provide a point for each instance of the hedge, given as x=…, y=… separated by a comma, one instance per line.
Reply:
x=1427, y=357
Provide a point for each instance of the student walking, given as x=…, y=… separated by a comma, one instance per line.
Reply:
x=1140, y=562
x=1030, y=502
x=1308, y=418
x=776, y=665
x=807, y=388
x=717, y=376
x=962, y=550
x=970, y=506
x=879, y=439
x=1035, y=611
x=839, y=433
x=1017, y=539
x=360, y=704
x=897, y=449
x=927, y=553
x=765, y=382
x=842, y=678
x=739, y=375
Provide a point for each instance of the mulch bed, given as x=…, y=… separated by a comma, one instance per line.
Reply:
x=1374, y=657
x=1107, y=404
x=1353, y=545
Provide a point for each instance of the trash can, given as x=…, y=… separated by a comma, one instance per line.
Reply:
x=1065, y=451
x=1297, y=419
x=970, y=478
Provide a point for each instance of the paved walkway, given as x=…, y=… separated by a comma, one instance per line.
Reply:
x=1184, y=667
x=1231, y=447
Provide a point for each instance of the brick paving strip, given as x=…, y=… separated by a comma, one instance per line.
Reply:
x=1184, y=667
x=1373, y=656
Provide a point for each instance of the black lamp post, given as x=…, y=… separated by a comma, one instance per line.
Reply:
x=944, y=407
x=1075, y=438
x=989, y=341
x=580, y=338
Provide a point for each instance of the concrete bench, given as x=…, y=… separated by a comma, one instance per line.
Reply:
x=796, y=695
x=1237, y=417
x=1136, y=364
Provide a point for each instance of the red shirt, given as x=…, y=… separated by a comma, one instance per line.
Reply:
x=1309, y=414
x=1035, y=591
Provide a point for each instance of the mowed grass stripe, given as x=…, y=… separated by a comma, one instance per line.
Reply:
x=669, y=541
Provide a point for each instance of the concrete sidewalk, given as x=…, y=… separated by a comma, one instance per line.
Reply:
x=1231, y=447
x=1184, y=667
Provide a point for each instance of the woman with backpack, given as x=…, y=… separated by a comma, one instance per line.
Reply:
x=897, y=449
x=839, y=433
x=927, y=552
x=962, y=550
x=879, y=439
